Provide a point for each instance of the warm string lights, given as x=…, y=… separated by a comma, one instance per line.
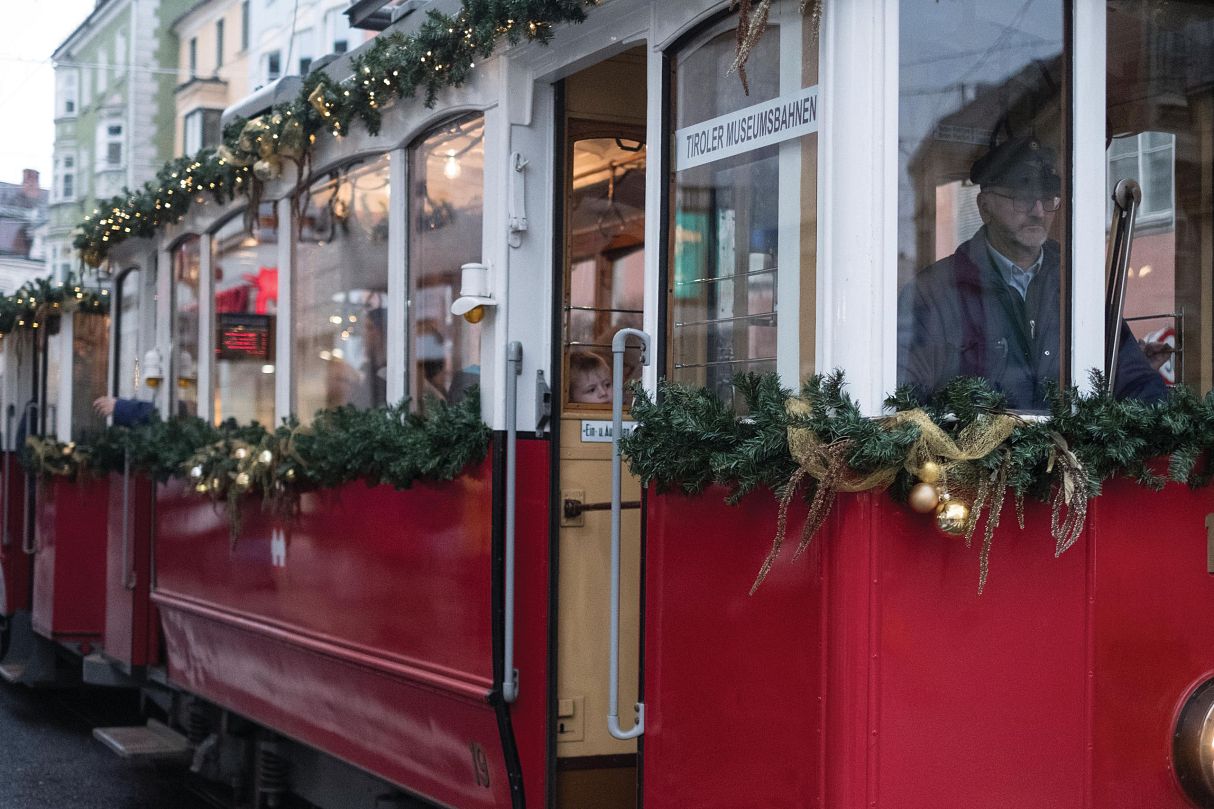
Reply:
x=36, y=300
x=440, y=54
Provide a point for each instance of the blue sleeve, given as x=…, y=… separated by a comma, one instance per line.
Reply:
x=1136, y=379
x=130, y=412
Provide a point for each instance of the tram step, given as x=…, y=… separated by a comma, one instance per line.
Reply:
x=151, y=741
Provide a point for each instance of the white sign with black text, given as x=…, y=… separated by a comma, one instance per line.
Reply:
x=774, y=121
x=599, y=432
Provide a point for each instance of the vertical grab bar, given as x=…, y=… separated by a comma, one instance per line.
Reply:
x=1127, y=196
x=128, y=572
x=618, y=345
x=28, y=543
x=514, y=367
x=6, y=538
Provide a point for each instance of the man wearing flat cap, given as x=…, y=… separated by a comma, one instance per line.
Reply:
x=992, y=308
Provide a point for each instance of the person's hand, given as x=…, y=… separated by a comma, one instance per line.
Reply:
x=1157, y=353
x=104, y=406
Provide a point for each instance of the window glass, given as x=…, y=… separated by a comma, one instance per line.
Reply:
x=446, y=196
x=604, y=290
x=744, y=225
x=184, y=362
x=90, y=354
x=127, y=352
x=982, y=169
x=341, y=290
x=1160, y=118
x=244, y=266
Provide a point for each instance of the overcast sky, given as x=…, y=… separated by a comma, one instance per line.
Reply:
x=30, y=30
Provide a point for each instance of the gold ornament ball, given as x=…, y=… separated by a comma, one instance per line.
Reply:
x=952, y=517
x=243, y=481
x=201, y=488
x=290, y=474
x=240, y=454
x=924, y=498
x=266, y=456
x=930, y=472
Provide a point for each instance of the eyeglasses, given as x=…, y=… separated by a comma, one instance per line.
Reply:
x=1024, y=203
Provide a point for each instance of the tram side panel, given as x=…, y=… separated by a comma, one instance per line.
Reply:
x=69, y=560
x=14, y=561
x=734, y=683
x=131, y=623
x=361, y=627
x=1152, y=641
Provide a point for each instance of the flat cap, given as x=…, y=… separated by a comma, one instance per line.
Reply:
x=1018, y=163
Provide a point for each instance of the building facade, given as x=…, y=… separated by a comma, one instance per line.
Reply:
x=115, y=77
x=286, y=38
x=22, y=231
x=212, y=69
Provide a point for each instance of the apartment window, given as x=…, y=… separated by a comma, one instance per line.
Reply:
x=200, y=128
x=305, y=63
x=193, y=57
x=67, y=178
x=1149, y=158
x=68, y=82
x=113, y=145
x=244, y=25
x=219, y=43
x=273, y=66
x=337, y=30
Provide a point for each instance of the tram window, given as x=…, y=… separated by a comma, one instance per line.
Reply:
x=604, y=289
x=1160, y=119
x=244, y=266
x=341, y=290
x=184, y=363
x=983, y=164
x=744, y=225
x=446, y=201
x=127, y=351
x=90, y=353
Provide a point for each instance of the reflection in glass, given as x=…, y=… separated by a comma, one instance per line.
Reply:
x=1160, y=96
x=726, y=220
x=975, y=75
x=605, y=288
x=90, y=364
x=127, y=351
x=446, y=200
x=245, y=268
x=184, y=362
x=341, y=290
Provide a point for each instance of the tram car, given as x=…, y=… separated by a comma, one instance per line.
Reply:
x=654, y=199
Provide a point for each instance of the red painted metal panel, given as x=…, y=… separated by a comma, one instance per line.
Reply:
x=363, y=627
x=733, y=682
x=1154, y=640
x=131, y=625
x=69, y=562
x=14, y=561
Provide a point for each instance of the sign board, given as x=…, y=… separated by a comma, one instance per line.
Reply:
x=599, y=432
x=764, y=124
x=244, y=337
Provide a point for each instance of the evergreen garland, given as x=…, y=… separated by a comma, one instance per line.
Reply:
x=387, y=445
x=440, y=54
x=41, y=298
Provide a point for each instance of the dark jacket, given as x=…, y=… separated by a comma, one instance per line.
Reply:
x=959, y=318
x=131, y=412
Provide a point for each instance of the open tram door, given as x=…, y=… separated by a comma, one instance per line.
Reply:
x=601, y=143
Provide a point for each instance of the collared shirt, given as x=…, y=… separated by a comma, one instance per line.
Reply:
x=1013, y=275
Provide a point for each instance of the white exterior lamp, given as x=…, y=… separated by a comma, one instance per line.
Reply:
x=153, y=368
x=474, y=293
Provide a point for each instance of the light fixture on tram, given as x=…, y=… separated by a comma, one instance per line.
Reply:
x=451, y=167
x=474, y=293
x=1193, y=746
x=153, y=368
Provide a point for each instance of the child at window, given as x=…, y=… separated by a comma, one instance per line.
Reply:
x=589, y=378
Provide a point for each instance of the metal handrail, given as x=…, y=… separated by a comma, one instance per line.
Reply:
x=28, y=543
x=128, y=569
x=514, y=367
x=618, y=346
x=6, y=538
x=1127, y=196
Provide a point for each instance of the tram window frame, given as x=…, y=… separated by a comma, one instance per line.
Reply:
x=209, y=314
x=579, y=130
x=795, y=236
x=372, y=164
x=122, y=284
x=443, y=330
x=179, y=378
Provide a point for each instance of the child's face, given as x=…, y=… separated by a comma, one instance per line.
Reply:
x=591, y=387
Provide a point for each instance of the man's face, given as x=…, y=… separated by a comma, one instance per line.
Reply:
x=1016, y=220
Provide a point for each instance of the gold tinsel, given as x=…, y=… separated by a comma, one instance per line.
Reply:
x=752, y=23
x=937, y=455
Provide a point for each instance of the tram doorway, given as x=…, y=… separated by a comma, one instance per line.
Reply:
x=601, y=269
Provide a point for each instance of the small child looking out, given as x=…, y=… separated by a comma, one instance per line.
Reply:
x=589, y=378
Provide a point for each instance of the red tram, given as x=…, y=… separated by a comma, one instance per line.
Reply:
x=482, y=641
